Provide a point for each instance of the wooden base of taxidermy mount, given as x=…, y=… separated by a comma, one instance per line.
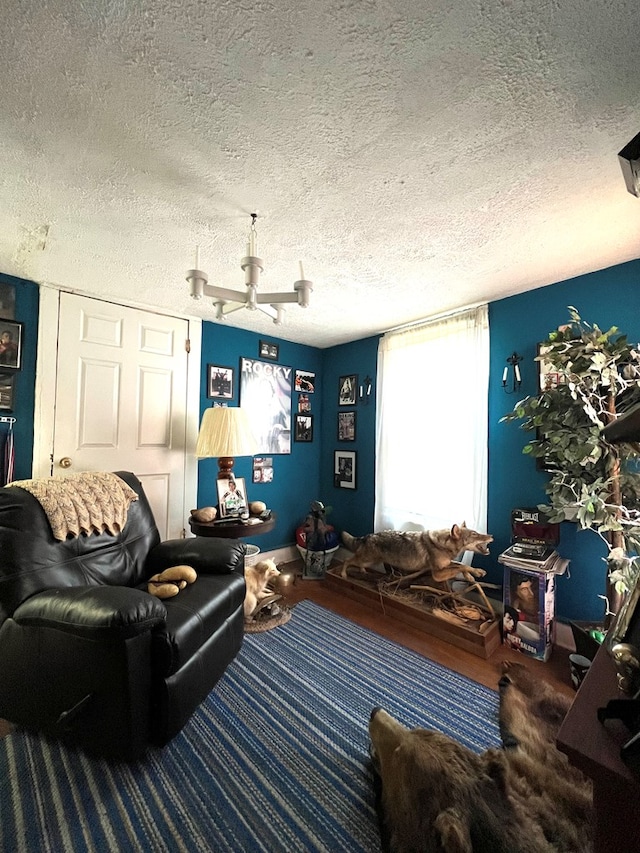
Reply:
x=480, y=637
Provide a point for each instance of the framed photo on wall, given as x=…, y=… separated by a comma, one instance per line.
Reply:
x=262, y=469
x=304, y=403
x=8, y=301
x=303, y=427
x=346, y=426
x=219, y=382
x=7, y=381
x=265, y=394
x=305, y=381
x=10, y=345
x=347, y=390
x=344, y=469
x=268, y=350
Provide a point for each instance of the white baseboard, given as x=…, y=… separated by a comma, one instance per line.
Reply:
x=290, y=553
x=281, y=555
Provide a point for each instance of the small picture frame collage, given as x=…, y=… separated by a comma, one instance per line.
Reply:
x=347, y=396
x=344, y=462
x=305, y=386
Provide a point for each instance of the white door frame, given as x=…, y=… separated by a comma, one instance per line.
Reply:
x=45, y=389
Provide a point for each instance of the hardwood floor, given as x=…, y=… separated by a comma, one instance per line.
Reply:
x=487, y=672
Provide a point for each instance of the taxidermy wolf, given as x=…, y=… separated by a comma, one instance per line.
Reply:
x=420, y=552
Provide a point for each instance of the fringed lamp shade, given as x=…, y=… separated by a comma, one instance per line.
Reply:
x=225, y=432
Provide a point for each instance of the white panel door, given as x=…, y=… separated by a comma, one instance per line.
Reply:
x=121, y=399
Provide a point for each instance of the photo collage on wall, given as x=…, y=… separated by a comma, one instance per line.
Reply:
x=269, y=392
x=347, y=396
x=262, y=469
x=305, y=385
x=344, y=471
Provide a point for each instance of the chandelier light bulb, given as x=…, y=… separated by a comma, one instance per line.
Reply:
x=225, y=300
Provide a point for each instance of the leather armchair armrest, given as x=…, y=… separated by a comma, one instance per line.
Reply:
x=109, y=612
x=208, y=556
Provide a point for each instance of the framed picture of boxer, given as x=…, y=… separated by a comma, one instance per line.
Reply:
x=268, y=350
x=303, y=427
x=219, y=382
x=344, y=469
x=347, y=390
x=346, y=426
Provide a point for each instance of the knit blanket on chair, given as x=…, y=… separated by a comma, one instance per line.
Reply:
x=88, y=502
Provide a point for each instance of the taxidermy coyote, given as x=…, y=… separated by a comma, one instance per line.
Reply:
x=420, y=552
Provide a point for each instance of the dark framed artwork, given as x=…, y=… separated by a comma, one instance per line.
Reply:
x=268, y=350
x=304, y=403
x=305, y=381
x=10, y=344
x=265, y=394
x=344, y=469
x=346, y=426
x=7, y=385
x=348, y=390
x=8, y=301
x=303, y=427
x=219, y=382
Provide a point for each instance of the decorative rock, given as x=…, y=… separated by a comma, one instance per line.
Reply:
x=206, y=513
x=257, y=507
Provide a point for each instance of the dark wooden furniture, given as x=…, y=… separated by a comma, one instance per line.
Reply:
x=231, y=529
x=594, y=748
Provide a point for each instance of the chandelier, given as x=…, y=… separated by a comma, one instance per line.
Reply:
x=225, y=301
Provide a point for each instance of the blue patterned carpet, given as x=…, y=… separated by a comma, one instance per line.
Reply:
x=275, y=760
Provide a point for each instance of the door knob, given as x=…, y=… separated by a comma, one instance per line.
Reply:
x=65, y=462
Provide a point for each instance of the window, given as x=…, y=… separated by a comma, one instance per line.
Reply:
x=431, y=430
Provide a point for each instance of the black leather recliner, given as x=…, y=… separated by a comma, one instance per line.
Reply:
x=86, y=653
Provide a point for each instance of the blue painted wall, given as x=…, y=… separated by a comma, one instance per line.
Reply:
x=607, y=297
x=296, y=475
x=26, y=311
x=352, y=510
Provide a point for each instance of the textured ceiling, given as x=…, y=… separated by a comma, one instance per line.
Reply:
x=417, y=157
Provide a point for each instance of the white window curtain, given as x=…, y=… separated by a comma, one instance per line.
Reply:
x=431, y=429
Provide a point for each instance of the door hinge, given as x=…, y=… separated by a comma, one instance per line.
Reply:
x=187, y=345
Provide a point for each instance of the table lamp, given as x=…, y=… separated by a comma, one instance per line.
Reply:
x=225, y=432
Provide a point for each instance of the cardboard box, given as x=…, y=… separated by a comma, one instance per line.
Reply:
x=528, y=622
x=530, y=526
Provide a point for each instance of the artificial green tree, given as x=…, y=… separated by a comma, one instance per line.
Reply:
x=596, y=378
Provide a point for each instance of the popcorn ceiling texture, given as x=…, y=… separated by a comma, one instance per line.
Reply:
x=417, y=157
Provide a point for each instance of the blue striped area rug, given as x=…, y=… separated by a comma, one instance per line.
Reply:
x=275, y=760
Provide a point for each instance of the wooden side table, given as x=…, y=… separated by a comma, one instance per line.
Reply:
x=231, y=529
x=595, y=749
